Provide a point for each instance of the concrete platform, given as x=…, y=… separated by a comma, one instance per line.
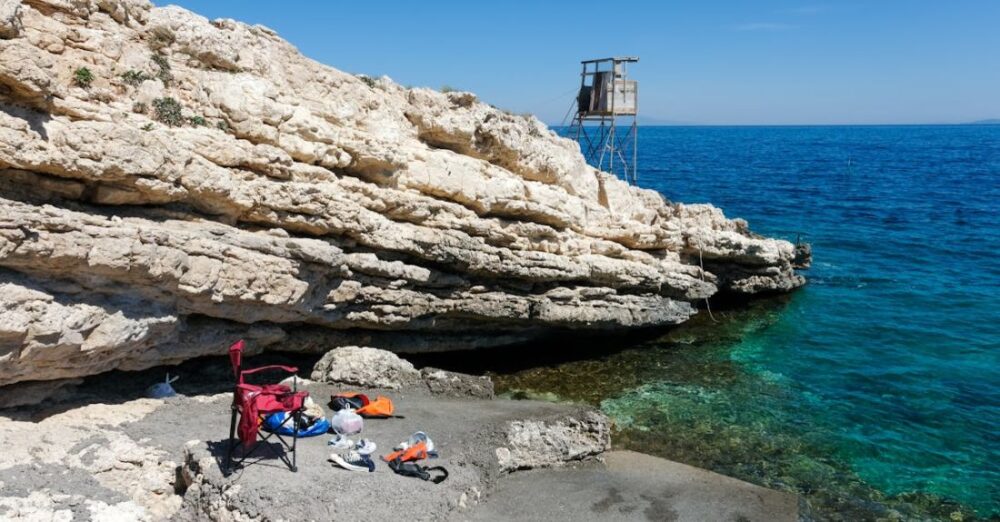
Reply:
x=632, y=486
x=145, y=459
x=465, y=431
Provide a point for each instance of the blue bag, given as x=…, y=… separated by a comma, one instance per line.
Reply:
x=273, y=422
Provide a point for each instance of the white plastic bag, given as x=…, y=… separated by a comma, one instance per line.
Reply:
x=346, y=422
x=162, y=390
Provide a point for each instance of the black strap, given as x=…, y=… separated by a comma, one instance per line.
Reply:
x=408, y=469
x=412, y=469
x=439, y=479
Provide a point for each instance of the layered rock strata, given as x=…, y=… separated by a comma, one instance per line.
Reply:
x=168, y=183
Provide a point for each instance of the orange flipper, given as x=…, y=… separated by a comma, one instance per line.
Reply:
x=415, y=452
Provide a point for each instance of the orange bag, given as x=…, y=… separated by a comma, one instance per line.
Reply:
x=381, y=407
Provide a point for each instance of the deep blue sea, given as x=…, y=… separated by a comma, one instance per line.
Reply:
x=875, y=390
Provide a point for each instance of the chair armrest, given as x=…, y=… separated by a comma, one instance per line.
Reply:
x=289, y=369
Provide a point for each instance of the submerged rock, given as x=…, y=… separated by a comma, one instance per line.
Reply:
x=208, y=182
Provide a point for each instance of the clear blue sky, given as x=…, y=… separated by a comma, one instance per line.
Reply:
x=722, y=62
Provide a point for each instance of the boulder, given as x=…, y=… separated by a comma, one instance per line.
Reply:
x=539, y=443
x=365, y=367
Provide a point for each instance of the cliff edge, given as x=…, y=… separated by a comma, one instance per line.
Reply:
x=169, y=183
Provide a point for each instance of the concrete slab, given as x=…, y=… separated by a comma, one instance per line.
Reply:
x=107, y=446
x=632, y=486
x=466, y=432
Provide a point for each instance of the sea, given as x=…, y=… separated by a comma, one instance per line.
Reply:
x=874, y=391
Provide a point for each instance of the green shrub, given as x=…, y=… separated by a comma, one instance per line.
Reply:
x=222, y=126
x=369, y=81
x=83, y=77
x=135, y=78
x=168, y=111
x=448, y=88
x=139, y=107
x=197, y=121
x=147, y=127
x=160, y=40
x=165, y=74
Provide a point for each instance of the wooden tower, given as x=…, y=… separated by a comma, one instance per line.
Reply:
x=606, y=120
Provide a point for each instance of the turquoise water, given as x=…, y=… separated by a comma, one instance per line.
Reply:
x=874, y=391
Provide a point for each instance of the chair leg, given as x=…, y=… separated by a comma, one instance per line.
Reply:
x=232, y=437
x=295, y=438
x=262, y=441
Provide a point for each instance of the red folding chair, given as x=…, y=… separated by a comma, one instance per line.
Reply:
x=251, y=402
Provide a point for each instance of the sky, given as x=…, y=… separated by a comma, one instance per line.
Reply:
x=723, y=62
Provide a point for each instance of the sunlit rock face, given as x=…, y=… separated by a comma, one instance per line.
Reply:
x=170, y=183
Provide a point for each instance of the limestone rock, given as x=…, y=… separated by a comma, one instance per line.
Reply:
x=10, y=19
x=80, y=464
x=366, y=367
x=33, y=392
x=212, y=183
x=442, y=382
x=535, y=443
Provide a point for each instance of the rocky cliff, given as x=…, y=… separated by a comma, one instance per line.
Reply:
x=168, y=183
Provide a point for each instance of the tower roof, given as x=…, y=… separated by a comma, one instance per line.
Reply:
x=614, y=59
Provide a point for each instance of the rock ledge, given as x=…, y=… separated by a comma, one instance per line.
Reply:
x=169, y=183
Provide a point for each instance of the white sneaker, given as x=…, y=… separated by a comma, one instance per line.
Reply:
x=353, y=461
x=340, y=442
x=365, y=447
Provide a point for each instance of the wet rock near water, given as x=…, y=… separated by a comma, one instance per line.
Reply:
x=442, y=382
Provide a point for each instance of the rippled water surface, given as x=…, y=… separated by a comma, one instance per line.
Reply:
x=874, y=391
